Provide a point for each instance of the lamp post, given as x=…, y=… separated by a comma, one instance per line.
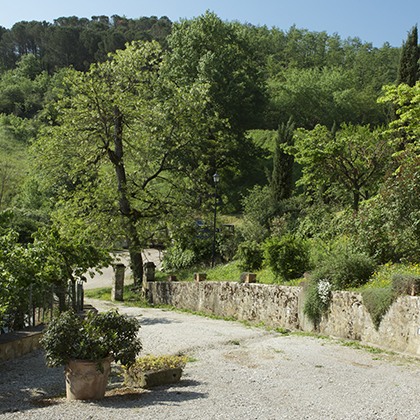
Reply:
x=216, y=179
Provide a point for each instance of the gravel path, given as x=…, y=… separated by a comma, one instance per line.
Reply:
x=238, y=372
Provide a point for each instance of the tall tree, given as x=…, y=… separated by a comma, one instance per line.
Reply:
x=346, y=166
x=408, y=71
x=121, y=152
x=405, y=129
x=282, y=176
x=220, y=54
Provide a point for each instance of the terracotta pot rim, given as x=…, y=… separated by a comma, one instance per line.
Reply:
x=87, y=361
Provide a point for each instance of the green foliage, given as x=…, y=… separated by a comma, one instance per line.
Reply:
x=26, y=223
x=258, y=210
x=250, y=256
x=408, y=71
x=287, y=257
x=209, y=50
x=345, y=270
x=405, y=284
x=316, y=303
x=107, y=334
x=134, y=154
x=339, y=271
x=347, y=165
x=282, y=175
x=322, y=96
x=70, y=41
x=19, y=268
x=386, y=227
x=147, y=363
x=389, y=282
x=176, y=258
x=378, y=301
x=405, y=129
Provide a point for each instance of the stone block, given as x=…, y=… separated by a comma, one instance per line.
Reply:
x=200, y=276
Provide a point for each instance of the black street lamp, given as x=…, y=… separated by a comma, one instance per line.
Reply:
x=216, y=179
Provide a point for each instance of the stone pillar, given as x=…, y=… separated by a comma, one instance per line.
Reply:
x=148, y=275
x=117, y=291
x=248, y=278
x=251, y=278
x=149, y=271
x=200, y=276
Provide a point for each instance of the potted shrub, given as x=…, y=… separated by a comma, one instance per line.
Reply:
x=149, y=371
x=86, y=347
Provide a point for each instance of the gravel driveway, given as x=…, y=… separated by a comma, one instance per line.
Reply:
x=237, y=372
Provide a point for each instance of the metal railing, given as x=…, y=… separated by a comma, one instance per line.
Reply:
x=40, y=303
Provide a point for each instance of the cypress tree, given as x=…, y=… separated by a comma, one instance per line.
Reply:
x=409, y=71
x=281, y=181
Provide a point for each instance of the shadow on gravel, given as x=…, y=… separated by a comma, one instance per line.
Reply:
x=156, y=321
x=161, y=395
x=121, y=397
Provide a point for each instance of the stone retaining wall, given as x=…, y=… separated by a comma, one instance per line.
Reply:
x=281, y=307
x=16, y=344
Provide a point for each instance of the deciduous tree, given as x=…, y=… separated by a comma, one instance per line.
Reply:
x=122, y=150
x=347, y=165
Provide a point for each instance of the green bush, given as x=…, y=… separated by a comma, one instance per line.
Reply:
x=377, y=301
x=287, y=257
x=317, y=299
x=95, y=337
x=177, y=259
x=386, y=226
x=250, y=256
x=338, y=272
x=345, y=270
x=405, y=284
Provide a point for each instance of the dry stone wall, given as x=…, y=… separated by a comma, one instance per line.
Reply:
x=282, y=307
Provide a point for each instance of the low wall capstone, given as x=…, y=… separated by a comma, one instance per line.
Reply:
x=282, y=307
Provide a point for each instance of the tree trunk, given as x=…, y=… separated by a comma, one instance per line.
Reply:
x=136, y=264
x=356, y=200
x=130, y=216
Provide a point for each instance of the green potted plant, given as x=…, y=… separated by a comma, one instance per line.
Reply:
x=149, y=371
x=87, y=346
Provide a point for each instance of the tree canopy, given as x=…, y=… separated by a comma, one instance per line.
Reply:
x=345, y=165
x=125, y=146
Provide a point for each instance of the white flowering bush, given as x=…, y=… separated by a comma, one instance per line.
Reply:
x=324, y=291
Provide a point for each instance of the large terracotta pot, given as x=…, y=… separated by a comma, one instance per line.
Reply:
x=86, y=380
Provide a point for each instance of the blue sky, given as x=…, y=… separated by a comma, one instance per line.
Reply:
x=375, y=21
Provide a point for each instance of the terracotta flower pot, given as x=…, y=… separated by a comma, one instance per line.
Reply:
x=86, y=380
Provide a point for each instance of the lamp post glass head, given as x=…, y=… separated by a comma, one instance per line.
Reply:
x=216, y=178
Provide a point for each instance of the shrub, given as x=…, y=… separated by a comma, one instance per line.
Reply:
x=386, y=284
x=287, y=257
x=338, y=272
x=177, y=259
x=93, y=338
x=377, y=301
x=317, y=299
x=345, y=270
x=386, y=226
x=405, y=284
x=250, y=256
x=147, y=363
